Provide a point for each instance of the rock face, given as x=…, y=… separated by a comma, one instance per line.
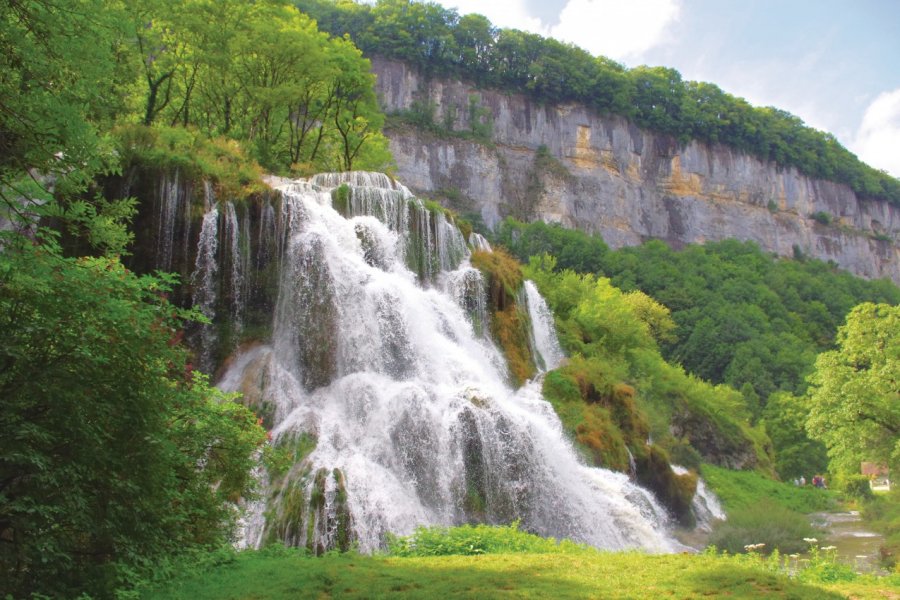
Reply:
x=603, y=174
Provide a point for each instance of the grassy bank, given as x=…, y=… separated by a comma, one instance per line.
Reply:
x=582, y=574
x=744, y=489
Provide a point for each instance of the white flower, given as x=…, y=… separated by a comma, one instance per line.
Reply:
x=810, y=540
x=827, y=548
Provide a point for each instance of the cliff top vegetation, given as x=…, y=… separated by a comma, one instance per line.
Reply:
x=442, y=43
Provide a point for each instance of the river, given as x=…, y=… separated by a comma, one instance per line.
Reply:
x=855, y=544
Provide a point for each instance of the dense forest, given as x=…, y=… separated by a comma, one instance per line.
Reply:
x=442, y=43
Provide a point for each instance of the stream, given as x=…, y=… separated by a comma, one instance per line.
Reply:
x=855, y=544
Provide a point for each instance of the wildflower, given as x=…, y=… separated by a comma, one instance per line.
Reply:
x=828, y=548
x=793, y=556
x=752, y=547
x=810, y=540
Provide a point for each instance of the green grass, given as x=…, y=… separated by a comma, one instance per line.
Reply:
x=584, y=574
x=744, y=489
x=764, y=523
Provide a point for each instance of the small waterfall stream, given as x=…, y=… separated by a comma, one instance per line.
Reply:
x=548, y=353
x=706, y=505
x=204, y=283
x=379, y=354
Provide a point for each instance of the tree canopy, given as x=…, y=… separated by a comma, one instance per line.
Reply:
x=854, y=399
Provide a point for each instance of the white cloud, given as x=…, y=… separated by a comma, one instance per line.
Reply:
x=614, y=28
x=878, y=139
x=511, y=14
x=617, y=29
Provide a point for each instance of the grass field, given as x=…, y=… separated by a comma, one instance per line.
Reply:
x=585, y=574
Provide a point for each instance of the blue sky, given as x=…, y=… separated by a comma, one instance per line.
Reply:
x=833, y=63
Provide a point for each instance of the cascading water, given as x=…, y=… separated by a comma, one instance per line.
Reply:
x=171, y=200
x=706, y=505
x=548, y=353
x=387, y=368
x=478, y=242
x=237, y=261
x=204, y=283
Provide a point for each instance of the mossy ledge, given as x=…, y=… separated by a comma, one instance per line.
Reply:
x=604, y=420
x=509, y=319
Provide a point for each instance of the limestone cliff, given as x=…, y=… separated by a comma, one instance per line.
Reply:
x=603, y=174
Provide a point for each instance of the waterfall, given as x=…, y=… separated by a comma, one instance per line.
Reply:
x=478, y=242
x=705, y=504
x=548, y=353
x=171, y=198
x=205, y=293
x=467, y=286
x=405, y=396
x=237, y=262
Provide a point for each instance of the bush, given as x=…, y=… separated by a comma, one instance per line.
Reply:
x=856, y=486
x=477, y=539
x=821, y=217
x=882, y=514
x=219, y=160
x=762, y=523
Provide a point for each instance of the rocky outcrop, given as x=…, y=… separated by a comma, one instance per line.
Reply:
x=603, y=174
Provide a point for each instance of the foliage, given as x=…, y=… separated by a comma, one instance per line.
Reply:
x=882, y=514
x=572, y=249
x=260, y=73
x=56, y=86
x=616, y=364
x=821, y=217
x=195, y=156
x=765, y=522
x=797, y=455
x=856, y=487
x=440, y=42
x=854, y=401
x=477, y=539
x=744, y=489
x=824, y=567
x=112, y=454
x=285, y=573
x=509, y=321
x=742, y=317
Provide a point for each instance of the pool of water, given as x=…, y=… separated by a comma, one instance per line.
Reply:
x=855, y=544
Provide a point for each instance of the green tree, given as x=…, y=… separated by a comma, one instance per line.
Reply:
x=854, y=399
x=56, y=85
x=796, y=454
x=111, y=456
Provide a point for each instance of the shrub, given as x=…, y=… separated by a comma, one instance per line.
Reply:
x=856, y=486
x=477, y=539
x=762, y=523
x=821, y=217
x=219, y=160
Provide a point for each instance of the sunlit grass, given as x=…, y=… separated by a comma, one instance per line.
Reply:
x=586, y=574
x=744, y=489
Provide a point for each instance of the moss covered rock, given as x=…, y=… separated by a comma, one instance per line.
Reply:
x=510, y=326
